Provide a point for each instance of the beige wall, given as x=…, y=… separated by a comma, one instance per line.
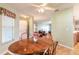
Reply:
x=62, y=27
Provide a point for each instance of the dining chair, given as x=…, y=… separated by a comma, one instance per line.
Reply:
x=24, y=35
x=43, y=52
x=54, y=47
x=51, y=50
x=46, y=51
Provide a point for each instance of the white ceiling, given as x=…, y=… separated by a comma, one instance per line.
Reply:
x=28, y=9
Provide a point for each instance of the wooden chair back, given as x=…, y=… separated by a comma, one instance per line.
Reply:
x=54, y=47
x=24, y=35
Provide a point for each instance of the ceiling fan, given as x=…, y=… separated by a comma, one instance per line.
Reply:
x=43, y=7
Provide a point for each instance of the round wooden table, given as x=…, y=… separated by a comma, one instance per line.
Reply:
x=28, y=46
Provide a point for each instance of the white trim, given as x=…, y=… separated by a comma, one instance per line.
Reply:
x=66, y=46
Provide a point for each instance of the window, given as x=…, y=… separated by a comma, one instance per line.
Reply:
x=7, y=29
x=44, y=27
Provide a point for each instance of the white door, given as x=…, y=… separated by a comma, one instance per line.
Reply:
x=22, y=27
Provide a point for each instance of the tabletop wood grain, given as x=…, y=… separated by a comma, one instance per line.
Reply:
x=28, y=46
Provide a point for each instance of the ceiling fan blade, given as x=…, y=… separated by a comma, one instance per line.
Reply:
x=36, y=6
x=48, y=8
x=45, y=7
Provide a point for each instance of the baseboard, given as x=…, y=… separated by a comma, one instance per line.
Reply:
x=66, y=46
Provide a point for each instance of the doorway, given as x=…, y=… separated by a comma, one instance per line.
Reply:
x=22, y=27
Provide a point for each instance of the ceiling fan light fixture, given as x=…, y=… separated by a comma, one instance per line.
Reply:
x=41, y=10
